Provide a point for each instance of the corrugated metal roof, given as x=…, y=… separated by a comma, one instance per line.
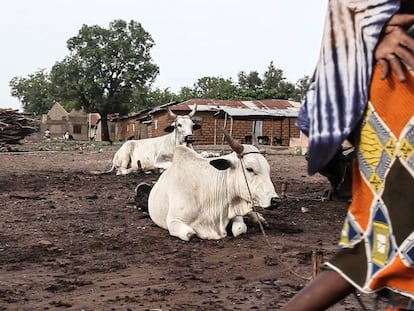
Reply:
x=243, y=113
x=253, y=109
x=163, y=107
x=255, y=104
x=247, y=113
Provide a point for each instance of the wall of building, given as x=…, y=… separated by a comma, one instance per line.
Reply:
x=126, y=129
x=59, y=121
x=211, y=128
x=160, y=120
x=77, y=126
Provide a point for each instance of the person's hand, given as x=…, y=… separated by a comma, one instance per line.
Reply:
x=395, y=47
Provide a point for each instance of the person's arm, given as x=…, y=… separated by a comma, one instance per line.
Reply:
x=328, y=288
x=396, y=46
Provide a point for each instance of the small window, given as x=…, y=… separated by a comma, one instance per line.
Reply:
x=77, y=129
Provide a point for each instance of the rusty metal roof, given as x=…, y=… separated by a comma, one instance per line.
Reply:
x=237, y=109
x=254, y=104
x=251, y=114
x=252, y=109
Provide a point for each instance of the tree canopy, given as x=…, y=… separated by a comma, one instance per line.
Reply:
x=34, y=92
x=250, y=85
x=105, y=67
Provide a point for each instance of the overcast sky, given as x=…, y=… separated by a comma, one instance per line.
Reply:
x=194, y=38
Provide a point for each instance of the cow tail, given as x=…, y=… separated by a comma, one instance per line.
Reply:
x=104, y=172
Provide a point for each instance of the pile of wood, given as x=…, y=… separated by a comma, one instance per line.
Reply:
x=14, y=126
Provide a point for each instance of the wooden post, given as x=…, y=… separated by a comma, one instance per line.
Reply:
x=317, y=261
x=283, y=191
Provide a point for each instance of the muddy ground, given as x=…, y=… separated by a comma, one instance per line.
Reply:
x=71, y=240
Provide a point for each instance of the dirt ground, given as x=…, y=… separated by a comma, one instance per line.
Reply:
x=72, y=240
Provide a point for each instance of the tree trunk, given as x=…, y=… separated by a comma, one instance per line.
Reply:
x=104, y=127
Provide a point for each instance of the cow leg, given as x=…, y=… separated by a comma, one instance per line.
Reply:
x=123, y=164
x=238, y=226
x=122, y=170
x=181, y=230
x=125, y=171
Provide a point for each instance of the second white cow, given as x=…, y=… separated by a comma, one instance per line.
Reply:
x=199, y=197
x=155, y=153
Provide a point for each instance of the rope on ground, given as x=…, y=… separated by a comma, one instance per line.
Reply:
x=264, y=233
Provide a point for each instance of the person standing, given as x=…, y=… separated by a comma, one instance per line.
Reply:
x=363, y=91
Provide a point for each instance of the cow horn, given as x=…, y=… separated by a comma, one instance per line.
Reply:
x=192, y=113
x=172, y=114
x=234, y=144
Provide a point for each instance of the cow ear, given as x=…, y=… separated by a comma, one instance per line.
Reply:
x=221, y=164
x=196, y=127
x=169, y=129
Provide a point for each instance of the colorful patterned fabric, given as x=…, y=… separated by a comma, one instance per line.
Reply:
x=377, y=240
x=338, y=93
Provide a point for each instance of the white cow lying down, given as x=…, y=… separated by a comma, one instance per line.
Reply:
x=199, y=197
x=155, y=153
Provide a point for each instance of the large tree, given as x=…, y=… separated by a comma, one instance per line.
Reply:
x=251, y=80
x=302, y=86
x=272, y=77
x=105, y=68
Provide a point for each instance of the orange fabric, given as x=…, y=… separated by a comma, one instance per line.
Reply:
x=362, y=197
x=388, y=91
x=405, y=276
x=377, y=240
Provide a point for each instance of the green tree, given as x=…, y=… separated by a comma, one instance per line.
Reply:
x=105, y=68
x=34, y=92
x=214, y=87
x=242, y=80
x=272, y=77
x=302, y=86
x=185, y=93
x=159, y=97
x=251, y=80
x=286, y=90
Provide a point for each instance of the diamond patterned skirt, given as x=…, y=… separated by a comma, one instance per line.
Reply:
x=377, y=240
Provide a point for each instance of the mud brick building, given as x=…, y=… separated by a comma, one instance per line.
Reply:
x=81, y=125
x=271, y=121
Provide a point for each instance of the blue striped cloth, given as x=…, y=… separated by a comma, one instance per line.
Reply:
x=338, y=92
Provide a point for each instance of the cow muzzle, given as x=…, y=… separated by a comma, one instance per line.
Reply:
x=274, y=202
x=189, y=139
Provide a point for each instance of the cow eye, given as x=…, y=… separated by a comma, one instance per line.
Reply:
x=249, y=169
